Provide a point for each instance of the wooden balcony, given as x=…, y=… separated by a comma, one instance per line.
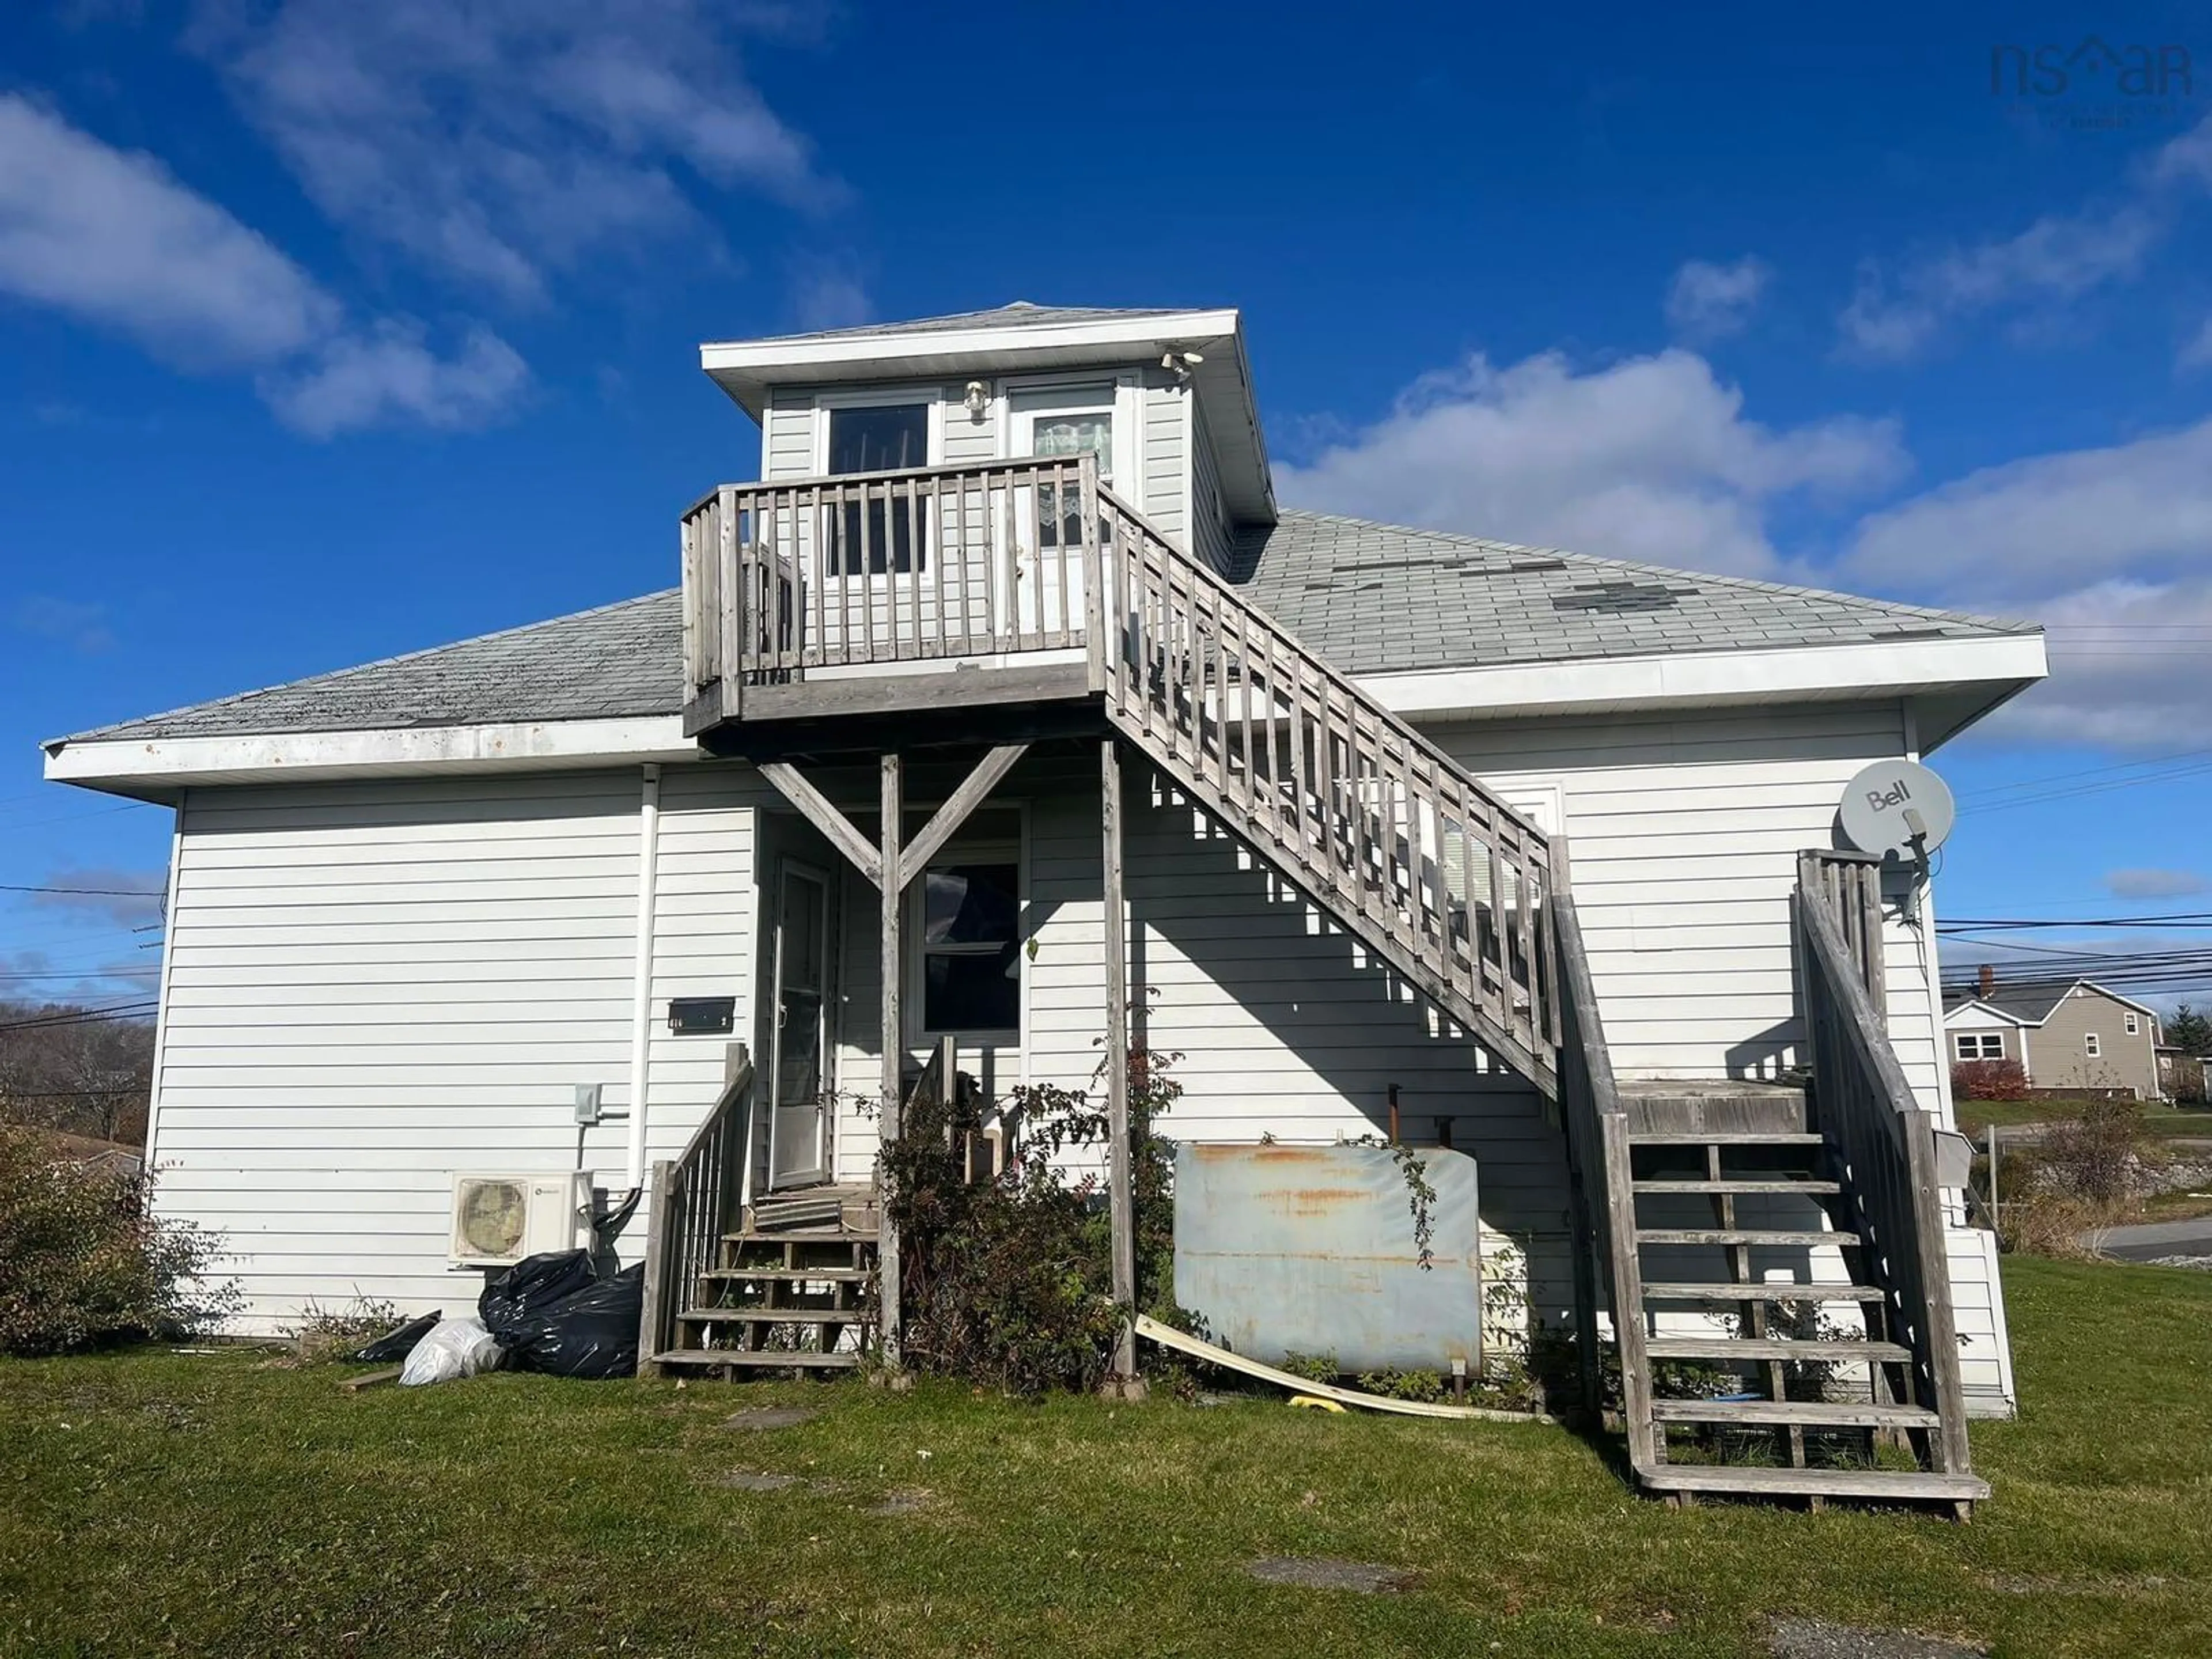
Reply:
x=891, y=593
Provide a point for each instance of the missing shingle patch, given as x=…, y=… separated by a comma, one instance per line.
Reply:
x=1620, y=599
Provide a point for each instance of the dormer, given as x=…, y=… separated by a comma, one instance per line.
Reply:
x=1162, y=397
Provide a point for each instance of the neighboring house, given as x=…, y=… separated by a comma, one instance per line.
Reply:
x=1507, y=845
x=2065, y=1033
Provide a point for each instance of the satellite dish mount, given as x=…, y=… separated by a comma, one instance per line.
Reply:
x=1898, y=808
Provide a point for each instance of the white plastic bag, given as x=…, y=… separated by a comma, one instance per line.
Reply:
x=451, y=1348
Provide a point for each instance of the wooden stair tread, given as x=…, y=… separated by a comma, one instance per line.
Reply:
x=1809, y=1413
x=1722, y=1137
x=1739, y=1185
x=756, y=1315
x=798, y=1235
x=758, y=1359
x=1923, y=1484
x=1685, y=1291
x=1770, y=1347
x=1745, y=1236
x=819, y=1275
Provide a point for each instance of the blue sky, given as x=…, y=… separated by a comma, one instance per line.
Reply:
x=331, y=330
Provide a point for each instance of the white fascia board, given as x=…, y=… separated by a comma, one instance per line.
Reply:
x=1677, y=679
x=2113, y=996
x=860, y=349
x=1978, y=1006
x=156, y=768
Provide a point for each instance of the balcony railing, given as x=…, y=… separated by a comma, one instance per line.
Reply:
x=988, y=563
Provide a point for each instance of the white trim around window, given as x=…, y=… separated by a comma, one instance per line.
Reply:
x=930, y=394
x=2093, y=1046
x=2133, y=1021
x=1977, y=1045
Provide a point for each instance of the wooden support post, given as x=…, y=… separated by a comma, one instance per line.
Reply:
x=894, y=1048
x=1122, y=1216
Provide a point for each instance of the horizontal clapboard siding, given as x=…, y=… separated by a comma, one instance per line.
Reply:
x=1162, y=458
x=1683, y=833
x=374, y=986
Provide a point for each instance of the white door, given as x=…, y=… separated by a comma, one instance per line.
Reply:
x=799, y=1109
x=1057, y=422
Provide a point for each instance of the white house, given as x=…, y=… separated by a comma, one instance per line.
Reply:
x=1527, y=840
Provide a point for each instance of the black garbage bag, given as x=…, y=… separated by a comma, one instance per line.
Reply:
x=530, y=1287
x=592, y=1333
x=393, y=1346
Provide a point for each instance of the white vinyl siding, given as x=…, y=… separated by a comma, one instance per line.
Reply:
x=375, y=986
x=1209, y=518
x=787, y=435
x=1160, y=493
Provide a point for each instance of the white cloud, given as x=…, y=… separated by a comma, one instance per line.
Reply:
x=1891, y=318
x=2154, y=883
x=126, y=897
x=1707, y=300
x=112, y=237
x=828, y=293
x=2197, y=350
x=81, y=626
x=2052, y=523
x=1647, y=459
x=372, y=379
x=2110, y=549
x=501, y=140
x=1898, y=312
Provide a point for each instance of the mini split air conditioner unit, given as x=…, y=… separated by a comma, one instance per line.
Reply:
x=497, y=1220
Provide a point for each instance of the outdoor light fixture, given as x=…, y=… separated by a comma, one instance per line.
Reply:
x=1180, y=363
x=978, y=396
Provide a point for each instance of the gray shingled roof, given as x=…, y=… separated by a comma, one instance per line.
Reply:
x=1021, y=313
x=1371, y=598
x=1374, y=598
x=617, y=661
x=2031, y=1000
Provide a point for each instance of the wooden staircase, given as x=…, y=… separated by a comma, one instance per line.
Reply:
x=1397, y=842
x=779, y=1298
x=1773, y=1262
x=1771, y=1363
x=1439, y=880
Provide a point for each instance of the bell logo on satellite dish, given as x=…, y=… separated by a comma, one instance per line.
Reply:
x=1898, y=809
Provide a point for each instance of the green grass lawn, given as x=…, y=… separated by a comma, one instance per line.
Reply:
x=158, y=1503
x=2159, y=1118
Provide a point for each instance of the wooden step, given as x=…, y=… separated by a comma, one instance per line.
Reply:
x=798, y=1236
x=774, y=1316
x=809, y=1275
x=1745, y=1236
x=758, y=1358
x=1808, y=1414
x=1895, y=1484
x=1732, y=1138
x=1726, y=1348
x=1678, y=1290
x=1739, y=1187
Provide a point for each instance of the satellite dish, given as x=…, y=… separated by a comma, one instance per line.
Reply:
x=1898, y=809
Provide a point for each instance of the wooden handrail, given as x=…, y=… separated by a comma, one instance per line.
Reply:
x=1375, y=823
x=1600, y=1187
x=693, y=1198
x=1866, y=1110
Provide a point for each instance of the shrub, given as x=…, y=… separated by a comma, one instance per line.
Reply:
x=1008, y=1283
x=2098, y=1155
x=321, y=1332
x=1989, y=1080
x=84, y=1262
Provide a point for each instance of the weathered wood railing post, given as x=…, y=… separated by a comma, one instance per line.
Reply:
x=1118, y=1151
x=892, y=892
